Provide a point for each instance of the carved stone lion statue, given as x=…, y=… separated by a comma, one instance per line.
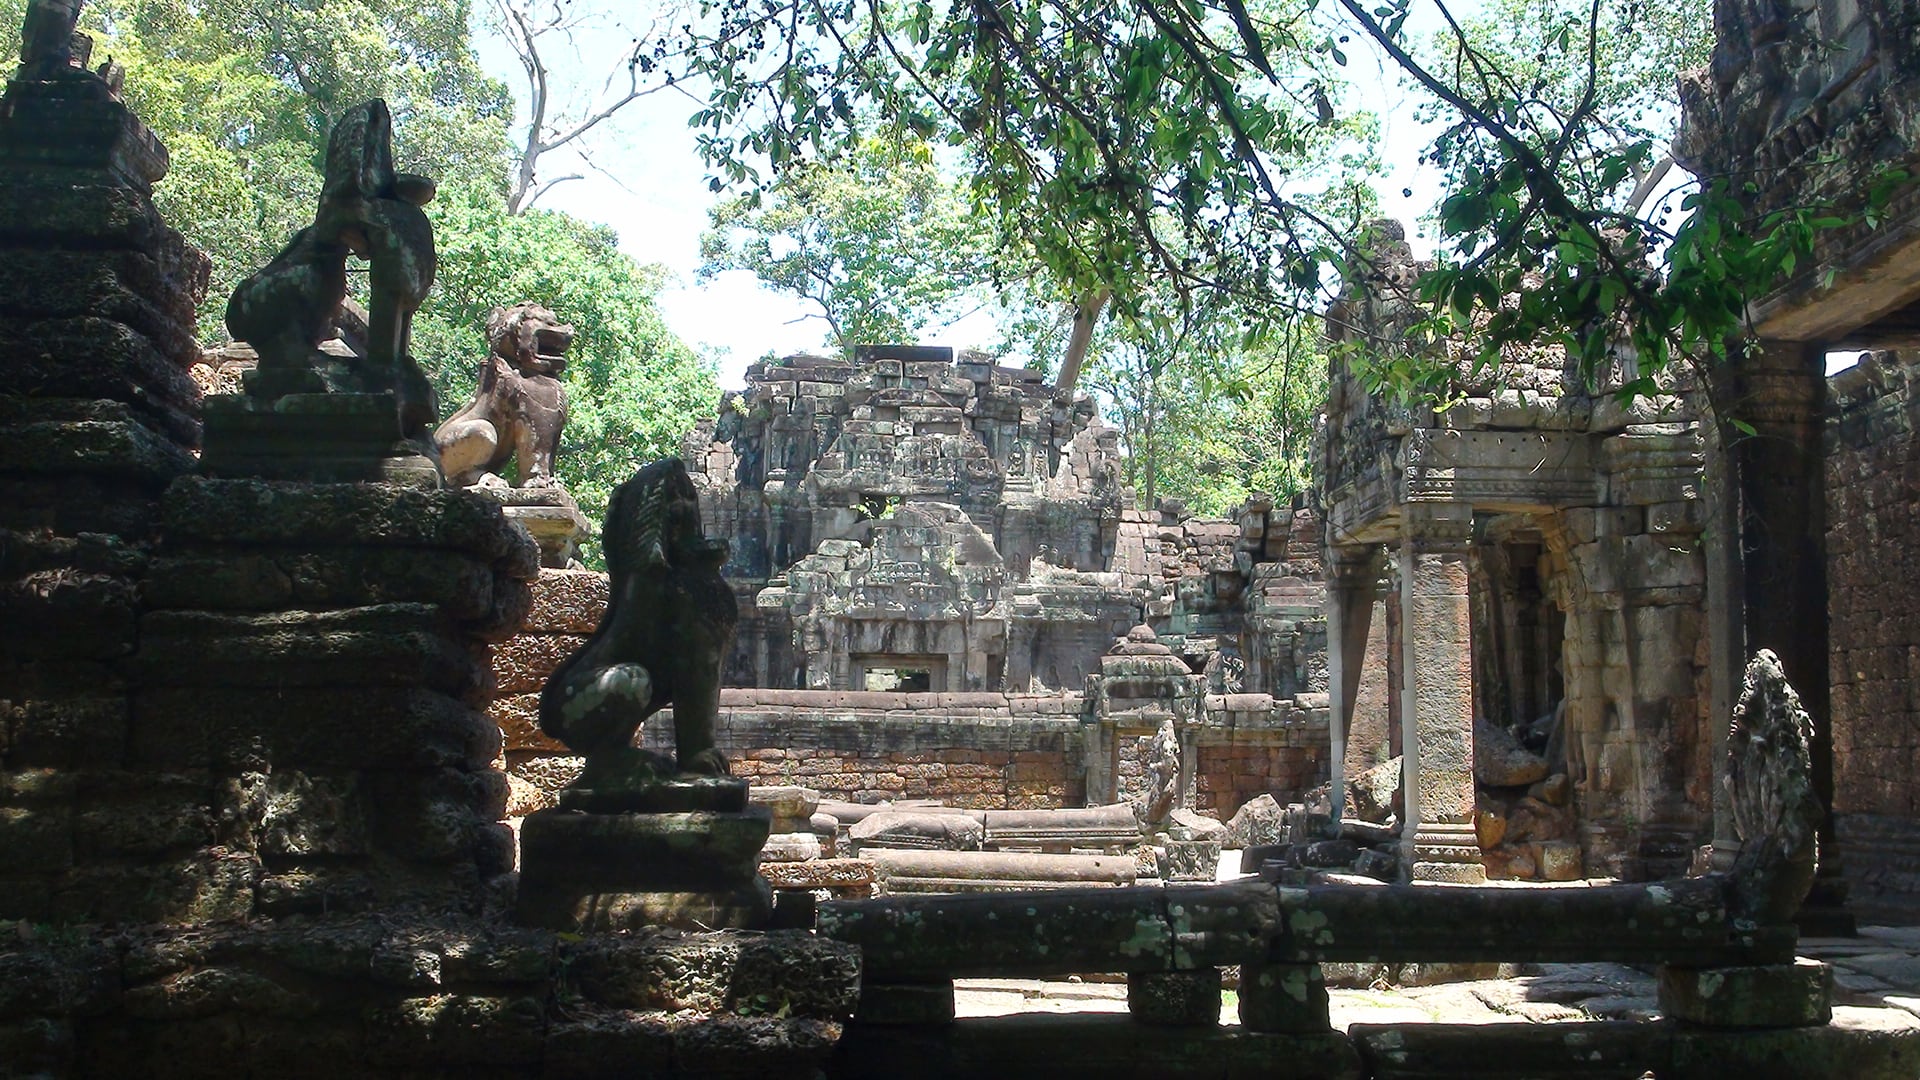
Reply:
x=667, y=629
x=520, y=406
x=287, y=309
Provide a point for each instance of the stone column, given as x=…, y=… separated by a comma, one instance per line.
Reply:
x=1352, y=574
x=1780, y=472
x=1436, y=701
x=1725, y=628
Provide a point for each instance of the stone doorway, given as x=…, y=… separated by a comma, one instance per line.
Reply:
x=901, y=674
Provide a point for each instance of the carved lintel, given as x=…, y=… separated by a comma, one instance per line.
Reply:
x=1438, y=526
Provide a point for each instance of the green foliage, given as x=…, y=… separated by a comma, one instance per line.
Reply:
x=1207, y=416
x=1143, y=148
x=881, y=242
x=634, y=387
x=1529, y=63
x=1562, y=112
x=244, y=96
x=1173, y=153
x=1211, y=432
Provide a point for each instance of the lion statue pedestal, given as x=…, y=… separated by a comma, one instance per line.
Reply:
x=640, y=839
x=337, y=397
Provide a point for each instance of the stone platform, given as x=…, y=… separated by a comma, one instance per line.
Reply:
x=1563, y=1020
x=680, y=853
x=397, y=995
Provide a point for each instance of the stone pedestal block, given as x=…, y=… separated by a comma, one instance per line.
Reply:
x=550, y=515
x=1175, y=998
x=313, y=436
x=1799, y=994
x=1447, y=853
x=1287, y=998
x=611, y=869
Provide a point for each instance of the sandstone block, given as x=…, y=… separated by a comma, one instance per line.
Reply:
x=457, y=1029
x=387, y=644
x=323, y=728
x=1260, y=820
x=519, y=718
x=439, y=816
x=666, y=851
x=1175, y=998
x=68, y=616
x=1490, y=826
x=832, y=874
x=227, y=512
x=894, y=829
x=1375, y=793
x=567, y=602
x=1283, y=998
x=523, y=664
x=1560, y=861
x=579, y=1047
x=236, y=583
x=1191, y=860
x=1799, y=994
x=313, y=814
x=120, y=814
x=790, y=971
x=787, y=803
x=790, y=847
x=38, y=840
x=64, y=732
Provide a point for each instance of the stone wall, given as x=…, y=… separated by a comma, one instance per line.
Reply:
x=566, y=607
x=1252, y=744
x=982, y=751
x=1000, y=751
x=379, y=996
x=1873, y=516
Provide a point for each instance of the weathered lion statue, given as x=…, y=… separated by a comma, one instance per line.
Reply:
x=287, y=309
x=519, y=408
x=668, y=626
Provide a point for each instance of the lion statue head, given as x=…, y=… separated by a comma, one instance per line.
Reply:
x=530, y=337
x=653, y=524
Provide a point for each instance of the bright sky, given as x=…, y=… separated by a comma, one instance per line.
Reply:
x=659, y=202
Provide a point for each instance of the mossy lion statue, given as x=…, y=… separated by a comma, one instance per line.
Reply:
x=668, y=626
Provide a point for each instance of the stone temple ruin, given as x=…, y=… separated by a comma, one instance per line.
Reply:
x=271, y=684
x=934, y=562
x=1546, y=591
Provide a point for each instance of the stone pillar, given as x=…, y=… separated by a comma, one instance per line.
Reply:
x=1725, y=629
x=1436, y=701
x=1780, y=472
x=1352, y=573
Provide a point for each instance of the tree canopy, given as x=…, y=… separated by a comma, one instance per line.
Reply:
x=1136, y=145
x=245, y=95
x=882, y=242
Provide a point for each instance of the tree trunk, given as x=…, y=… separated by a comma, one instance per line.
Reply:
x=1086, y=315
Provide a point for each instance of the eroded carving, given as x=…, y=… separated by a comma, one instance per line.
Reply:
x=520, y=406
x=288, y=309
x=47, y=38
x=1769, y=783
x=668, y=626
